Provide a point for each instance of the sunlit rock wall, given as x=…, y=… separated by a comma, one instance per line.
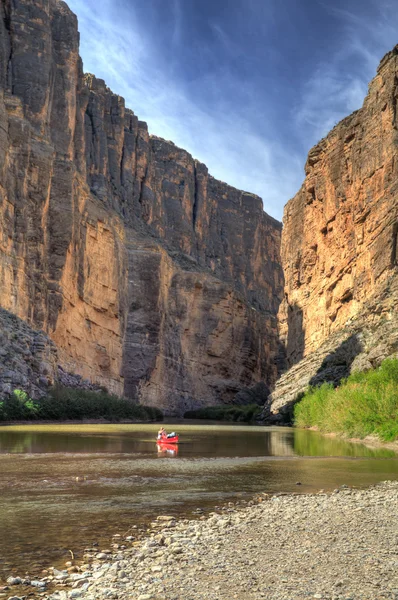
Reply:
x=151, y=277
x=339, y=250
x=340, y=231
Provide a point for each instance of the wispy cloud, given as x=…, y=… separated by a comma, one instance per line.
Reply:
x=225, y=40
x=338, y=86
x=115, y=47
x=177, y=15
x=329, y=97
x=249, y=124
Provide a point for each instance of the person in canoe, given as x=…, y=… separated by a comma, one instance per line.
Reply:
x=171, y=438
x=162, y=433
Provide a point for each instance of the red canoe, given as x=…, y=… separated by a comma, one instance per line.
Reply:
x=167, y=440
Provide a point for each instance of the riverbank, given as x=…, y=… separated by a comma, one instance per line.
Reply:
x=365, y=404
x=341, y=545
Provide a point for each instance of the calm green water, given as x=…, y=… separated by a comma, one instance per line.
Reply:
x=66, y=487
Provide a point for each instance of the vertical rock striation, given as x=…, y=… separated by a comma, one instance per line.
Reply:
x=340, y=230
x=339, y=247
x=151, y=277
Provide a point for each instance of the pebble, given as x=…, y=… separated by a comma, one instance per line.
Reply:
x=14, y=580
x=38, y=584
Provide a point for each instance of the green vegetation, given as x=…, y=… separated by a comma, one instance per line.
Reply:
x=62, y=404
x=243, y=414
x=365, y=403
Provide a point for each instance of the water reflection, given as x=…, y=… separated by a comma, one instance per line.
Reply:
x=167, y=450
x=312, y=443
x=198, y=441
x=64, y=487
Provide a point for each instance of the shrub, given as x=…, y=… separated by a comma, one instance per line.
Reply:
x=64, y=403
x=235, y=413
x=18, y=406
x=365, y=403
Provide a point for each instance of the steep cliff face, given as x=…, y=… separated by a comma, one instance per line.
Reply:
x=151, y=277
x=340, y=230
x=339, y=247
x=192, y=332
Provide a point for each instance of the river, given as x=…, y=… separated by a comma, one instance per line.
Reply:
x=67, y=487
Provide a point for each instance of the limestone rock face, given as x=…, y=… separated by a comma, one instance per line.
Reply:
x=340, y=231
x=192, y=332
x=151, y=277
x=339, y=247
x=362, y=344
x=28, y=358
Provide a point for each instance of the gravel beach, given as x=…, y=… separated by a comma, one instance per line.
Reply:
x=340, y=545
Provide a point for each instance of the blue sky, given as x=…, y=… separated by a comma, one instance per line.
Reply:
x=246, y=86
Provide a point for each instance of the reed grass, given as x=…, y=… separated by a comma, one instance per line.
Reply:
x=365, y=403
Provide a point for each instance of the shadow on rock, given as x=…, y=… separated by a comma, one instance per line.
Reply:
x=257, y=394
x=326, y=365
x=295, y=338
x=336, y=366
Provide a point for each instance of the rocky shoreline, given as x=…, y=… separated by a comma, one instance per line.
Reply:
x=340, y=545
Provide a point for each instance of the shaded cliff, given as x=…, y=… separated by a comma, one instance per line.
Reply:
x=151, y=277
x=339, y=247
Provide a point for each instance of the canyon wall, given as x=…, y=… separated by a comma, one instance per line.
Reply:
x=151, y=277
x=339, y=248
